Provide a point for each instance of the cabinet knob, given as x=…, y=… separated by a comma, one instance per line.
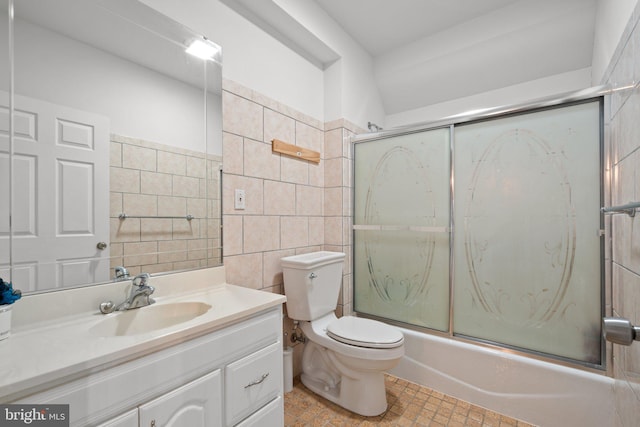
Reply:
x=153, y=423
x=102, y=246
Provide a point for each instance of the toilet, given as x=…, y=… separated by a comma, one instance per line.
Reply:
x=344, y=359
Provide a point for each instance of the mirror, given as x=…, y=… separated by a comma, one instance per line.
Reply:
x=117, y=144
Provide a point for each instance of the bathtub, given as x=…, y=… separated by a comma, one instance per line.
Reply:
x=538, y=392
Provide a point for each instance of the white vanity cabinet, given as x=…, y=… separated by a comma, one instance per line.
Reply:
x=230, y=376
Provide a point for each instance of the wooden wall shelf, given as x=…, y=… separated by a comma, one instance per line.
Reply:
x=295, y=151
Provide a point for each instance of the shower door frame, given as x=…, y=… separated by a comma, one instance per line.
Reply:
x=566, y=100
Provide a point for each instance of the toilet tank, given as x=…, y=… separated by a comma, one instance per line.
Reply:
x=312, y=283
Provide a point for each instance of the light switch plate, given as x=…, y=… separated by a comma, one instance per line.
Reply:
x=239, y=199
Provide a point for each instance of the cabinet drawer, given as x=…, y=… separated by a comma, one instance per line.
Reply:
x=271, y=415
x=253, y=381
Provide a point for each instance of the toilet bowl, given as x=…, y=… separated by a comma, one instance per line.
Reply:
x=345, y=358
x=351, y=376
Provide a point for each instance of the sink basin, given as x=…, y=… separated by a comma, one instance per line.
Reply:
x=147, y=319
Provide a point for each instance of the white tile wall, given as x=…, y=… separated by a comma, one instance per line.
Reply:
x=624, y=142
x=150, y=179
x=293, y=206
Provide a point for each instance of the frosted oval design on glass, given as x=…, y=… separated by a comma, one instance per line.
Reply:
x=518, y=173
x=399, y=194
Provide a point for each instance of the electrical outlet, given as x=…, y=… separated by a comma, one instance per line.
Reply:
x=239, y=199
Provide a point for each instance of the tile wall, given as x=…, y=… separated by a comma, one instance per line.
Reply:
x=156, y=180
x=623, y=157
x=293, y=206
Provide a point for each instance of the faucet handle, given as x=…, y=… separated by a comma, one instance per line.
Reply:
x=107, y=307
x=141, y=279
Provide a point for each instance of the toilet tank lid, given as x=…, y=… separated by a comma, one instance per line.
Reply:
x=312, y=259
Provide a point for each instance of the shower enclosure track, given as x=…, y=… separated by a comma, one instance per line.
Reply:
x=374, y=227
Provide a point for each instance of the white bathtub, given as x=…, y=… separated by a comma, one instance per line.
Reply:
x=534, y=391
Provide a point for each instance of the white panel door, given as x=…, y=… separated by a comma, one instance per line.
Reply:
x=197, y=404
x=61, y=194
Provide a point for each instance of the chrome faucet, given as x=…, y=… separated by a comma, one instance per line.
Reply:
x=139, y=296
x=121, y=274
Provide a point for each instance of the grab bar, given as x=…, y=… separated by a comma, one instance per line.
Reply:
x=419, y=228
x=125, y=216
x=629, y=208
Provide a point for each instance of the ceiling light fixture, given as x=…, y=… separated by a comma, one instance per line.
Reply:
x=203, y=49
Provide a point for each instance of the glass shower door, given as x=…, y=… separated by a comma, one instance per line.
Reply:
x=527, y=246
x=401, y=224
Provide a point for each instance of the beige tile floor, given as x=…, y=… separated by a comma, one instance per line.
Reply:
x=409, y=405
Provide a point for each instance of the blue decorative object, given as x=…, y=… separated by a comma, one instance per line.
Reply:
x=8, y=295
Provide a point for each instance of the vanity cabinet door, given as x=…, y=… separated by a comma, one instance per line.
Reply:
x=128, y=419
x=196, y=404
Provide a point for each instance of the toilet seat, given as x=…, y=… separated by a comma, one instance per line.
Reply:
x=364, y=333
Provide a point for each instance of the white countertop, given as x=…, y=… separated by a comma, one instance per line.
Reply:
x=44, y=354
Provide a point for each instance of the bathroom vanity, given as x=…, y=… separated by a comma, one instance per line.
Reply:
x=205, y=354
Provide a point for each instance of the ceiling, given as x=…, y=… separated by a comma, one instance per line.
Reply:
x=427, y=52
x=144, y=37
x=383, y=25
